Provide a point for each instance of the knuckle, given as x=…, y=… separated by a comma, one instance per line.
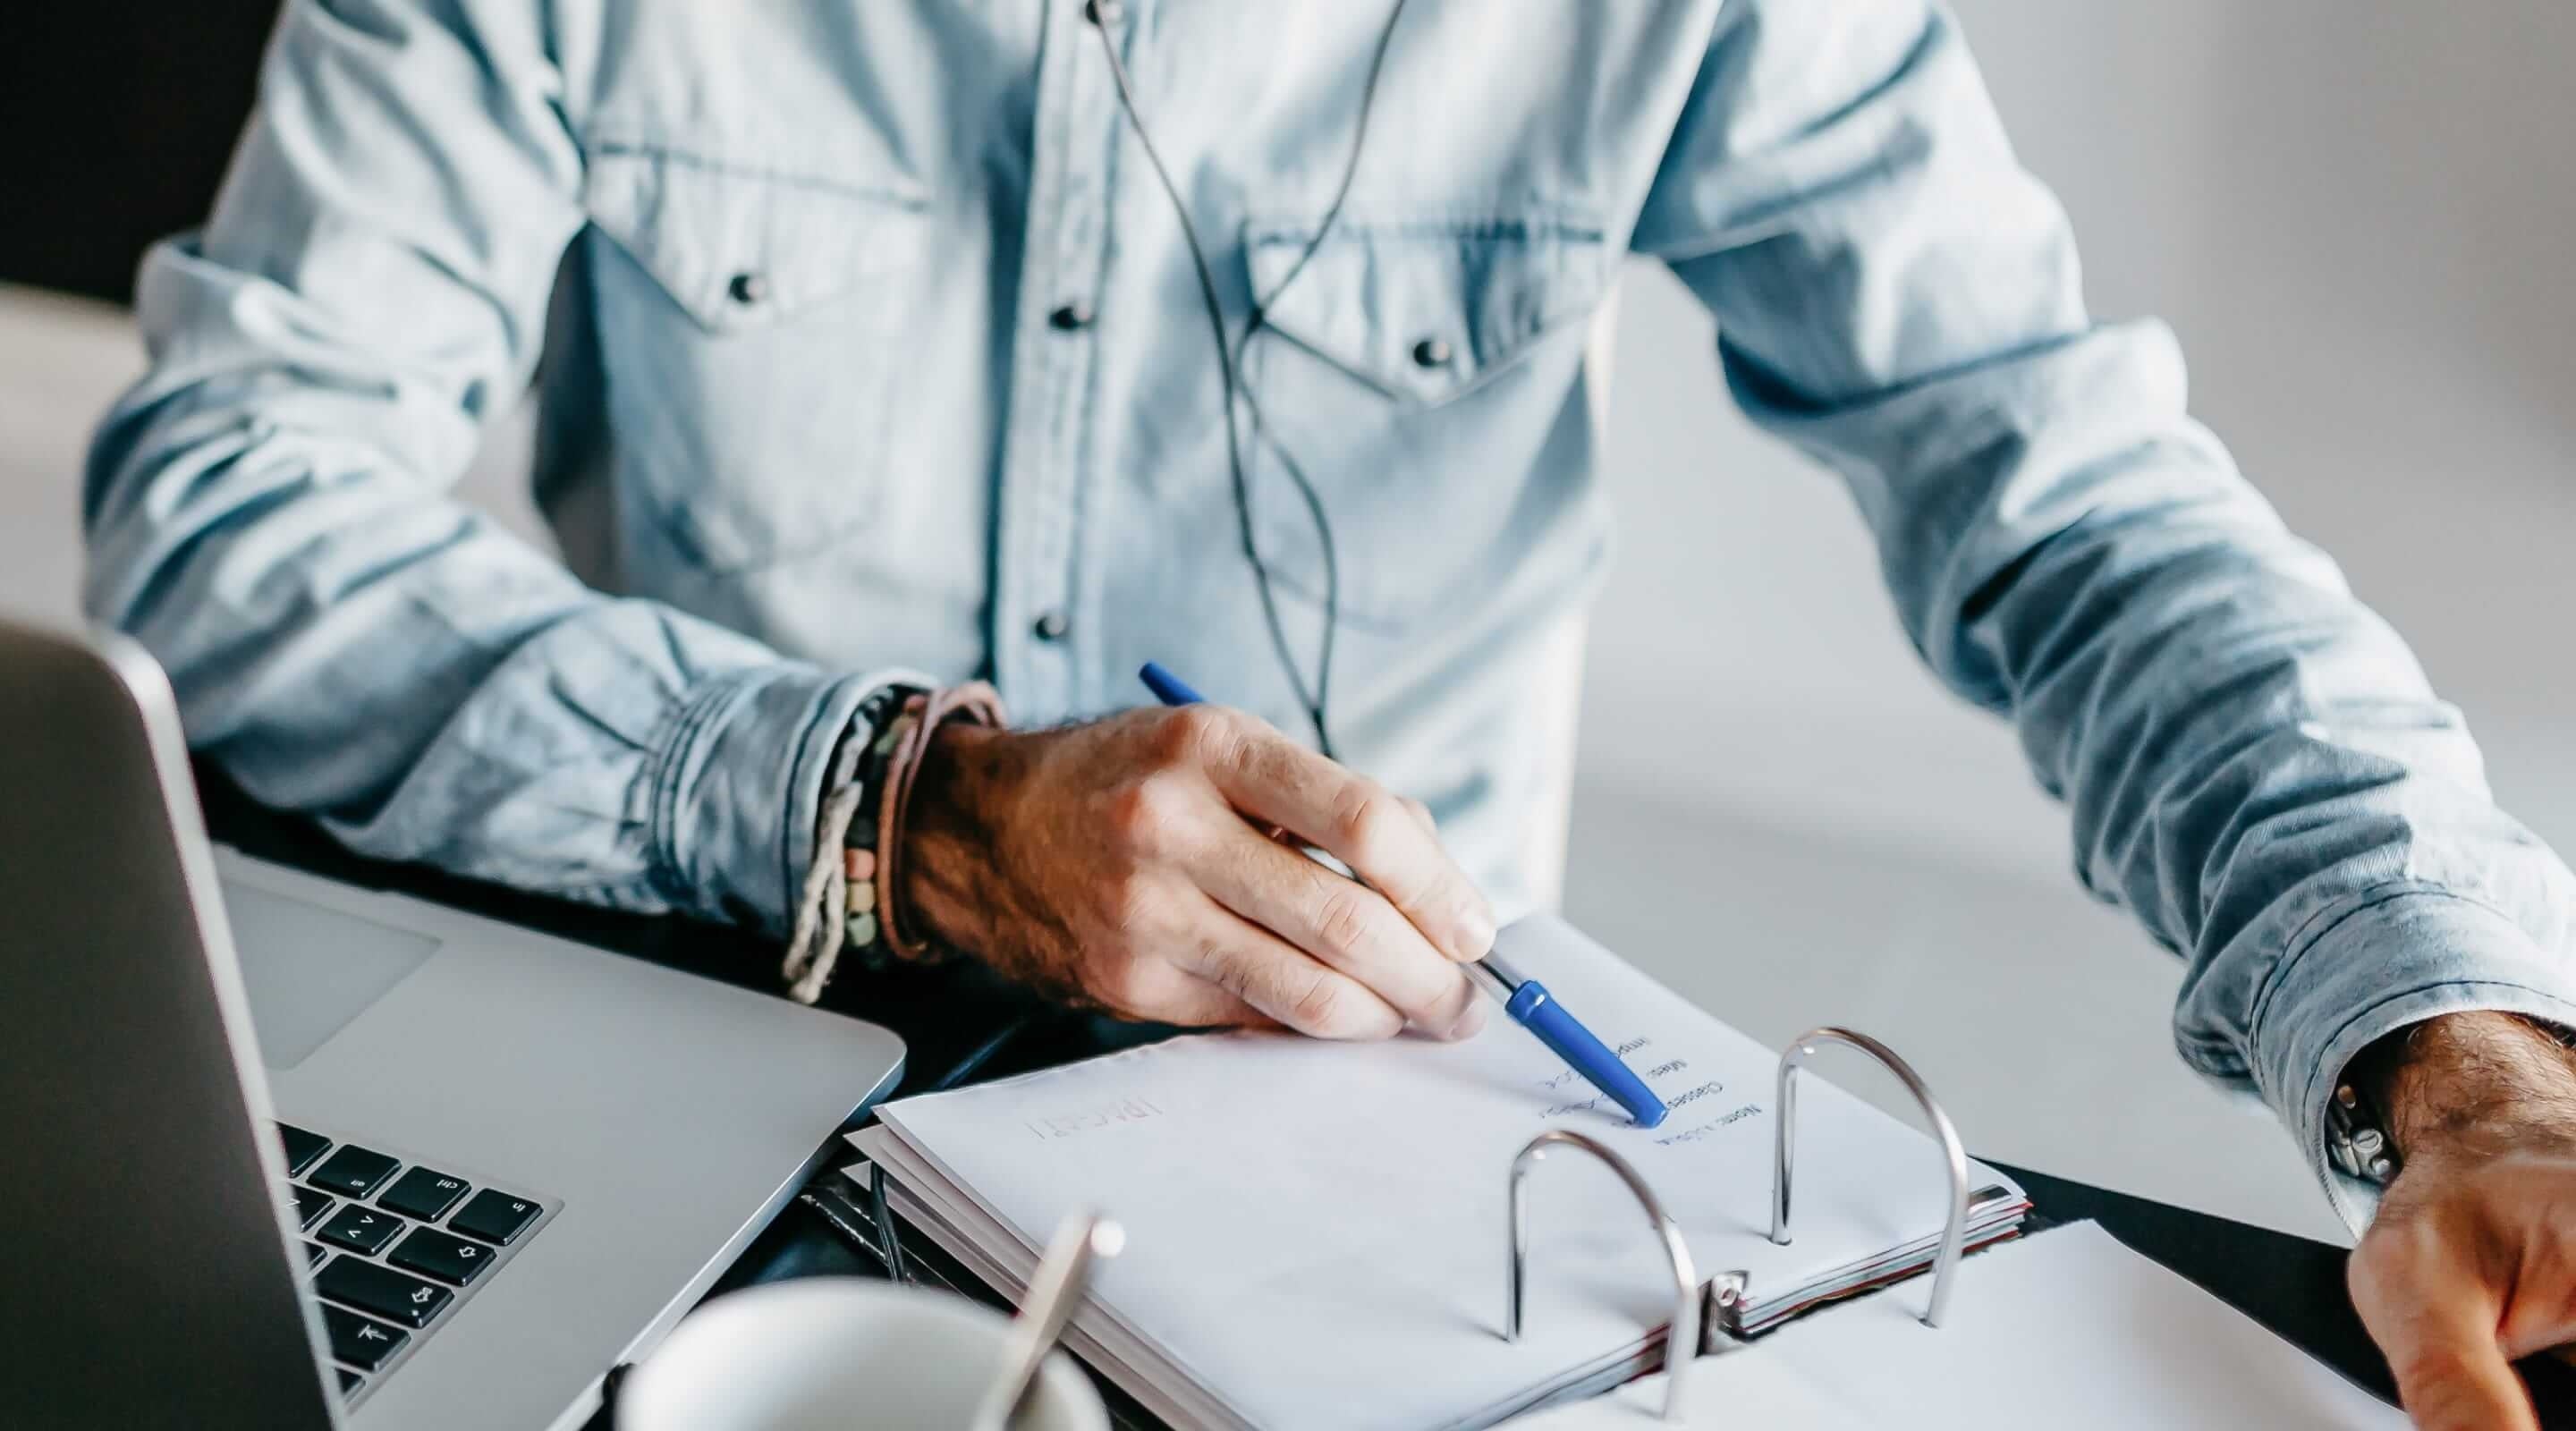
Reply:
x=1143, y=812
x=1342, y=923
x=1194, y=735
x=1320, y=1004
x=1360, y=814
x=2390, y=1257
x=1226, y=967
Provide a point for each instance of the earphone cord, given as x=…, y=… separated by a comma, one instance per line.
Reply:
x=1228, y=355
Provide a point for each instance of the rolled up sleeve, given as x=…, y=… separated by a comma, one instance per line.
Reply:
x=2376, y=961
x=269, y=510
x=2255, y=764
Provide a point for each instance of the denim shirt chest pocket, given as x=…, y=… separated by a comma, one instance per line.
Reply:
x=751, y=322
x=1408, y=374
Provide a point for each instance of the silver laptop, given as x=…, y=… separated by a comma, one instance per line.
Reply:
x=285, y=1153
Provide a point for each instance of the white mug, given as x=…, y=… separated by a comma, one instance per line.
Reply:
x=833, y=1353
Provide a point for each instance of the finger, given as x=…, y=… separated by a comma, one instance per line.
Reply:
x=1343, y=924
x=1152, y=990
x=1280, y=981
x=2437, y=1325
x=1146, y=986
x=2449, y=1378
x=1421, y=814
x=1359, y=822
x=1192, y=1002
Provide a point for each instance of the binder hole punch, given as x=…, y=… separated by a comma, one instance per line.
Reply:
x=1954, y=1232
x=1684, y=1339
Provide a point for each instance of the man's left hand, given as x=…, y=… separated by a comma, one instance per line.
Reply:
x=2471, y=1263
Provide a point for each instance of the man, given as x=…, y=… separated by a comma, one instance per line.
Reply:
x=884, y=326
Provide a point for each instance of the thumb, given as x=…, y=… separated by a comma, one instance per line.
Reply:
x=2461, y=1383
x=2439, y=1331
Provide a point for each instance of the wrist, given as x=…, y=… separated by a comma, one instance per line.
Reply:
x=957, y=806
x=2470, y=1085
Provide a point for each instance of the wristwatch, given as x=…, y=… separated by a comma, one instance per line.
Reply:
x=2355, y=1141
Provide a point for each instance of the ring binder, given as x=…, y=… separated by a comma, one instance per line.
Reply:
x=1954, y=1232
x=1683, y=1341
x=963, y=1173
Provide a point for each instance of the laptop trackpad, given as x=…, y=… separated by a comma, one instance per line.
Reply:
x=310, y=970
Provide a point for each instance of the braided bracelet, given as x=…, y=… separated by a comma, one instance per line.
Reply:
x=974, y=702
x=846, y=904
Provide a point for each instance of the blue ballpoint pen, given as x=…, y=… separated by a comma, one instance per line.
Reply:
x=1526, y=1001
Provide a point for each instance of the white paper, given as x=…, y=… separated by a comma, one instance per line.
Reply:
x=1317, y=1232
x=2065, y=1328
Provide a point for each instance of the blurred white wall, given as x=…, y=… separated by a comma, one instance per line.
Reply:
x=2355, y=216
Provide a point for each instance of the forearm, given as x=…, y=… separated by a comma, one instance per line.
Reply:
x=436, y=691
x=2257, y=768
x=2471, y=1085
x=2254, y=763
x=269, y=509
x=267, y=513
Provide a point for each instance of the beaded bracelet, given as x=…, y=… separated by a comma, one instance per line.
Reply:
x=842, y=839
x=846, y=907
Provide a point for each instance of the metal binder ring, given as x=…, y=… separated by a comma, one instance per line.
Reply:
x=1683, y=1342
x=1954, y=1233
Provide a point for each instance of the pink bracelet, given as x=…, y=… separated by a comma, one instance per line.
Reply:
x=975, y=702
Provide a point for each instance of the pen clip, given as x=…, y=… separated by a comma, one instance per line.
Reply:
x=1954, y=1156
x=1682, y=1342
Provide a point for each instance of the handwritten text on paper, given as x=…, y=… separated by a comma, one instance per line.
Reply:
x=1125, y=1110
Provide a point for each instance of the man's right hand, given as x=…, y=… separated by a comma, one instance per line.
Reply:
x=1125, y=864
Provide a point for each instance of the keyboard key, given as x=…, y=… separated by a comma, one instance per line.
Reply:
x=494, y=1216
x=361, y=1228
x=357, y=1341
x=301, y=1148
x=310, y=1205
x=354, y=1171
x=350, y=1381
x=424, y=1193
x=381, y=1290
x=433, y=1253
x=314, y=1252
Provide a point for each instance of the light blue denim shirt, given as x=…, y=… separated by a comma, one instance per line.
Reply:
x=811, y=259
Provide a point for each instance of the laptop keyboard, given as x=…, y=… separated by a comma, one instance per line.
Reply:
x=393, y=1247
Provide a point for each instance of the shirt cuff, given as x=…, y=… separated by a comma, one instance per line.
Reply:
x=738, y=783
x=2394, y=956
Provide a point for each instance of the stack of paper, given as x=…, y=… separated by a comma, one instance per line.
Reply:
x=2067, y=1328
x=1317, y=1232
